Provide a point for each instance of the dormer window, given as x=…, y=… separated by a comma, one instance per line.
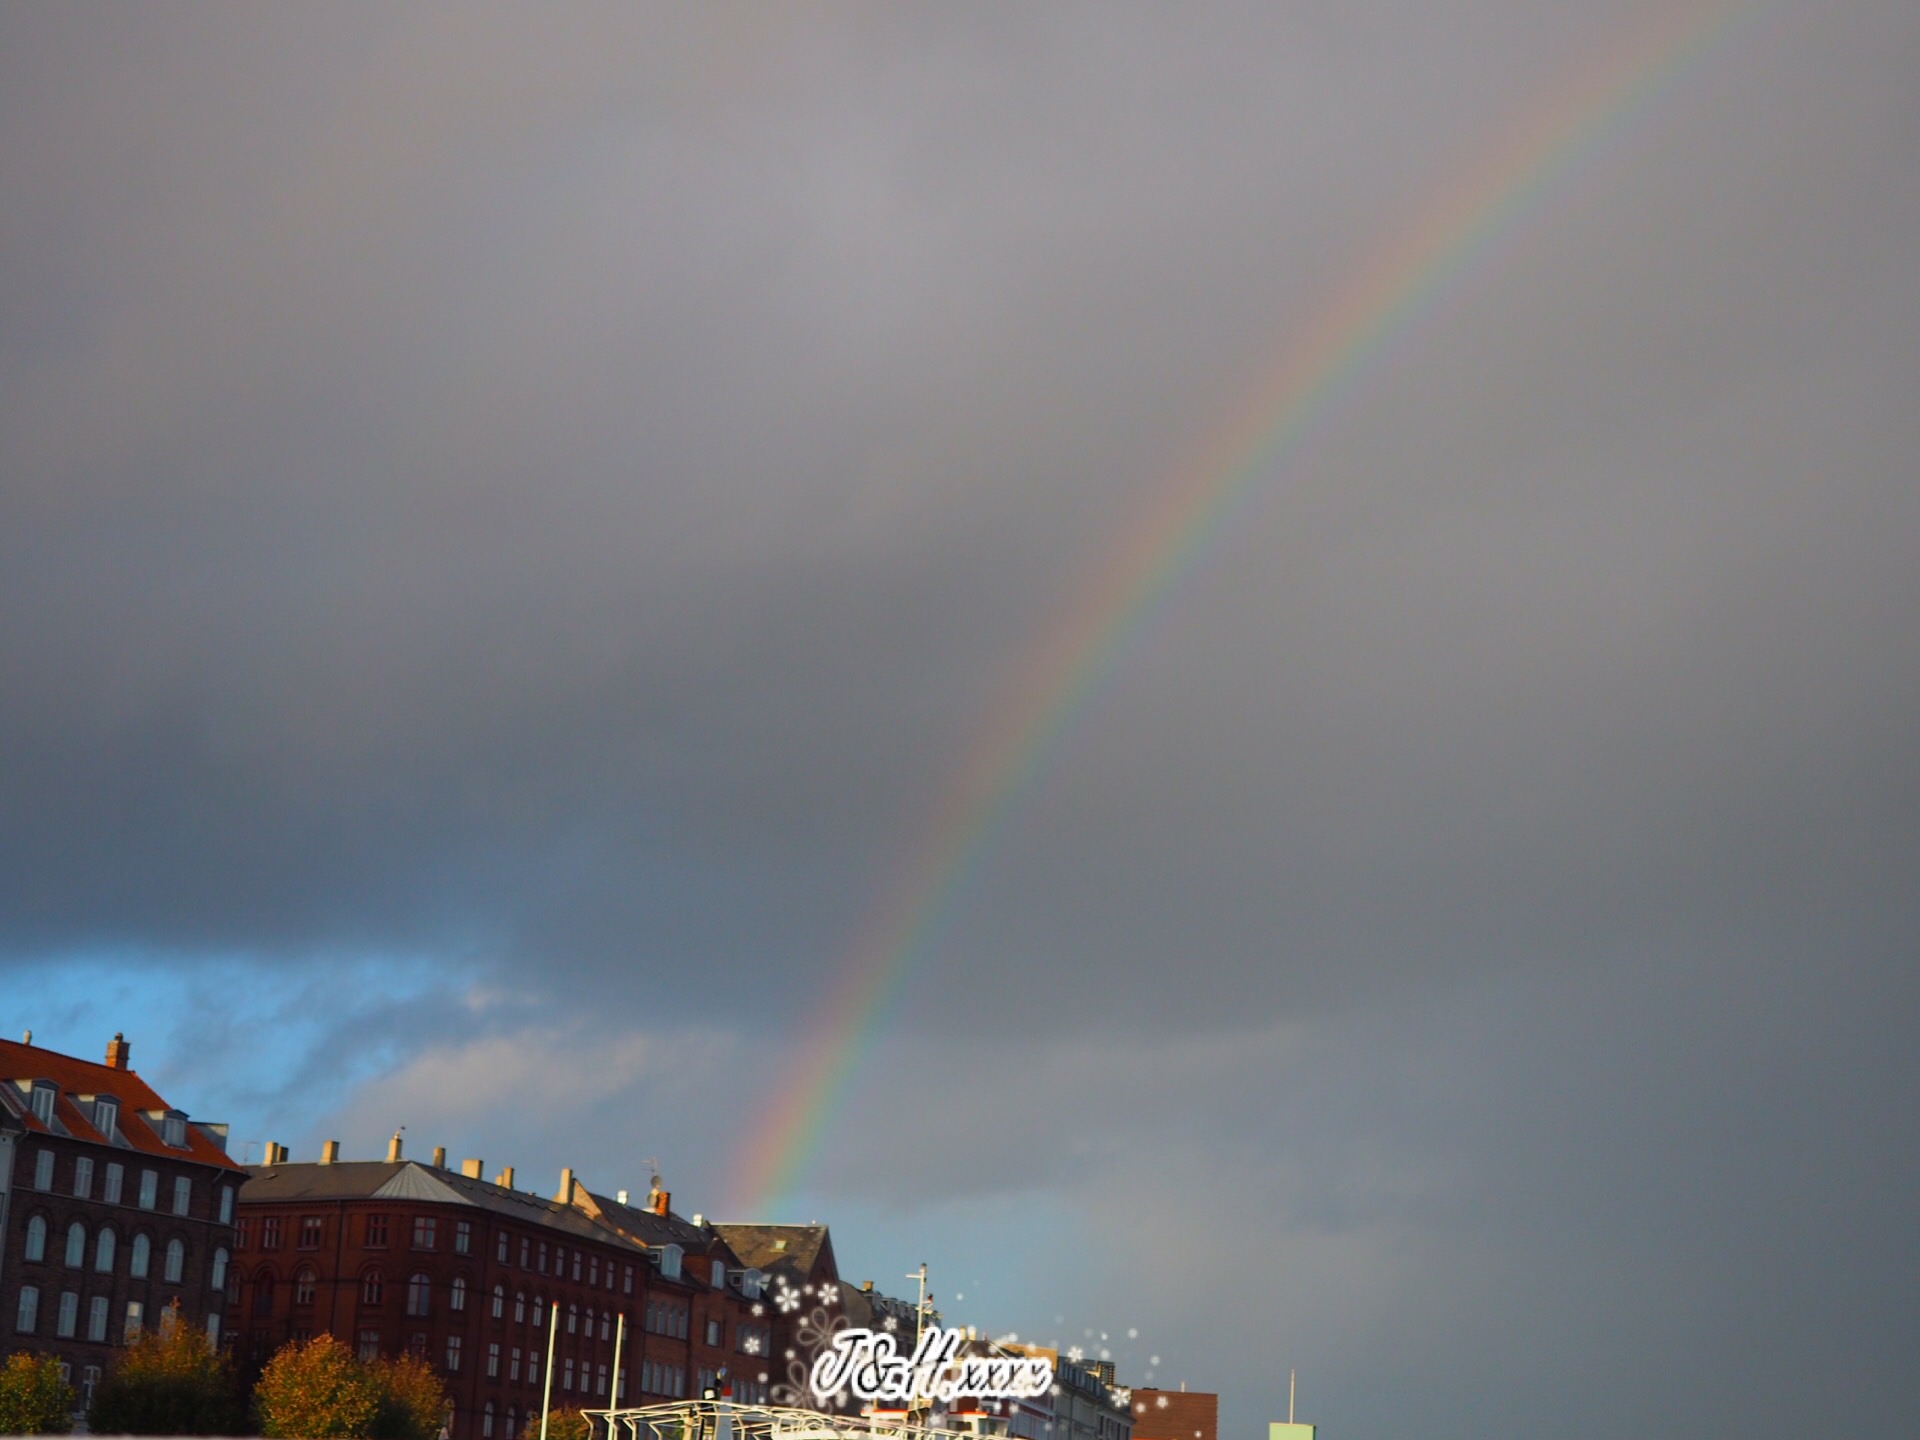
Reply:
x=173, y=1129
x=106, y=1115
x=750, y=1281
x=719, y=1274
x=42, y=1101
x=669, y=1261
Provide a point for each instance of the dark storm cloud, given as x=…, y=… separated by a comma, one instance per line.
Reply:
x=543, y=509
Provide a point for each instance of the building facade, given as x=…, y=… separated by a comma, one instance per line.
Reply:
x=486, y=1282
x=116, y=1210
x=1175, y=1415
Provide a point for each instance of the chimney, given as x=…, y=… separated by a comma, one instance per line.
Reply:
x=393, y=1146
x=866, y=1287
x=117, y=1049
x=439, y=1157
x=472, y=1168
x=565, y=1197
x=329, y=1152
x=660, y=1199
x=26, y=1037
x=621, y=1196
x=276, y=1154
x=505, y=1178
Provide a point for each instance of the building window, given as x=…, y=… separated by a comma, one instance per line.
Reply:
x=149, y=1189
x=573, y=1318
x=566, y=1374
x=423, y=1232
x=173, y=1130
x=269, y=1232
x=213, y=1330
x=462, y=1237
x=417, y=1344
x=43, y=1170
x=36, y=1238
x=139, y=1253
x=182, y=1194
x=493, y=1360
x=500, y=1247
x=83, y=1178
x=606, y=1324
x=499, y=1301
x=42, y=1102
x=576, y=1265
x=593, y=1270
x=600, y=1375
x=176, y=1261
x=419, y=1292
x=519, y=1307
x=453, y=1354
x=457, y=1293
x=369, y=1344
x=263, y=1293
x=218, y=1281
x=713, y=1332
x=28, y=1315
x=304, y=1284
x=525, y=1249
x=626, y=1279
x=373, y=1287
x=543, y=1257
x=136, y=1313
x=103, y=1251
x=311, y=1229
x=539, y=1312
x=76, y=1245
x=587, y=1318
x=533, y=1367
x=376, y=1232
x=226, y=1204
x=69, y=1315
x=97, y=1319
x=243, y=1232
x=106, y=1117
x=513, y=1367
x=116, y=1173
x=513, y=1418
x=486, y=1421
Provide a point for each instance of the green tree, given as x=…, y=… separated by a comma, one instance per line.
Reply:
x=34, y=1400
x=316, y=1391
x=168, y=1382
x=413, y=1401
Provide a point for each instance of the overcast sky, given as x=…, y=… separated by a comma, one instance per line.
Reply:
x=510, y=520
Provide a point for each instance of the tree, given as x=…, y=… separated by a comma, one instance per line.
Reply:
x=34, y=1400
x=568, y=1424
x=170, y=1381
x=316, y=1391
x=413, y=1401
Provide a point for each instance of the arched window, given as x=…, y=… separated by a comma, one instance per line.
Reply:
x=37, y=1238
x=218, y=1280
x=588, y=1318
x=138, y=1257
x=176, y=1260
x=303, y=1284
x=513, y=1415
x=499, y=1301
x=519, y=1307
x=539, y=1312
x=573, y=1318
x=103, y=1251
x=76, y=1244
x=373, y=1287
x=419, y=1292
x=606, y=1324
x=263, y=1293
x=457, y=1293
x=486, y=1421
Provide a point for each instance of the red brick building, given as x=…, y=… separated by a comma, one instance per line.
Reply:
x=395, y=1255
x=115, y=1207
x=1175, y=1415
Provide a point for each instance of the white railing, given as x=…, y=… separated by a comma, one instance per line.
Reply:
x=728, y=1420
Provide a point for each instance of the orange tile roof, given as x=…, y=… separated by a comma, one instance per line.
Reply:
x=85, y=1077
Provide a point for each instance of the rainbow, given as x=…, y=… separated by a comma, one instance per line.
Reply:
x=1062, y=669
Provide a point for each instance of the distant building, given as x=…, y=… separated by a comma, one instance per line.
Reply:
x=1087, y=1402
x=1175, y=1415
x=115, y=1208
x=793, y=1271
x=396, y=1255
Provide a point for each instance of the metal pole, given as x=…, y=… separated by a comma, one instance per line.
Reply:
x=1289, y=1397
x=546, y=1388
x=613, y=1394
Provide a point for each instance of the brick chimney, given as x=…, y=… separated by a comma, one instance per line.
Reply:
x=439, y=1157
x=117, y=1050
x=329, y=1152
x=565, y=1197
x=659, y=1199
x=472, y=1168
x=393, y=1146
x=505, y=1178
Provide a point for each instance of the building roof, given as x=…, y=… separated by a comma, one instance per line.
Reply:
x=802, y=1248
x=136, y=1128
x=409, y=1180
x=648, y=1227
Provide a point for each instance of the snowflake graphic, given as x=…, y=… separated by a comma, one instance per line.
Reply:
x=1076, y=1354
x=890, y=1323
x=751, y=1344
x=788, y=1301
x=758, y=1308
x=1161, y=1402
x=827, y=1295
